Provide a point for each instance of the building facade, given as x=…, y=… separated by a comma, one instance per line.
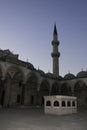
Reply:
x=23, y=85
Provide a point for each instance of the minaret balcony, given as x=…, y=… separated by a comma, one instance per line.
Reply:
x=55, y=43
x=55, y=54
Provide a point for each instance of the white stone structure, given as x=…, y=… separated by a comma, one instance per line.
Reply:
x=60, y=105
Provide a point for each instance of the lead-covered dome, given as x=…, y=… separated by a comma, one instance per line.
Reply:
x=49, y=75
x=41, y=72
x=60, y=77
x=82, y=74
x=69, y=76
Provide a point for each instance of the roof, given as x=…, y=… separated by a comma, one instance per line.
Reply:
x=69, y=76
x=82, y=74
x=55, y=30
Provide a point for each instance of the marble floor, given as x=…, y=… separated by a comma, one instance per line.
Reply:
x=35, y=119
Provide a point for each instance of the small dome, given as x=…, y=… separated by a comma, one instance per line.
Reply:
x=69, y=76
x=50, y=75
x=29, y=65
x=60, y=77
x=82, y=74
x=41, y=72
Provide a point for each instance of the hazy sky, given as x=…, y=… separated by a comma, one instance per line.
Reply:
x=26, y=28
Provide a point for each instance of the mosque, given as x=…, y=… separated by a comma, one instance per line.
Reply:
x=21, y=84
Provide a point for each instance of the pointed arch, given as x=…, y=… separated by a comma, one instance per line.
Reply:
x=31, y=88
x=44, y=91
x=32, y=81
x=15, y=72
x=66, y=89
x=80, y=91
x=13, y=86
x=55, y=89
x=44, y=87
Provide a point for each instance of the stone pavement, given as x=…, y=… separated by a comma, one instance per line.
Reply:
x=35, y=119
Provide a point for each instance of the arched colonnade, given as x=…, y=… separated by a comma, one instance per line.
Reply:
x=18, y=88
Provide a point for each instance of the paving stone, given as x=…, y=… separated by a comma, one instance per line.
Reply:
x=35, y=119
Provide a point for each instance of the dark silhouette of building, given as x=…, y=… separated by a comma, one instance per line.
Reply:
x=22, y=84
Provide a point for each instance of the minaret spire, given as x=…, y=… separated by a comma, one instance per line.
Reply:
x=55, y=54
x=55, y=30
x=55, y=34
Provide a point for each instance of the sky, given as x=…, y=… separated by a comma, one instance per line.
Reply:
x=26, y=28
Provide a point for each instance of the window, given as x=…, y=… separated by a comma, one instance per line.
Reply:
x=48, y=103
x=31, y=100
x=73, y=103
x=63, y=104
x=20, y=83
x=68, y=103
x=56, y=103
x=18, y=98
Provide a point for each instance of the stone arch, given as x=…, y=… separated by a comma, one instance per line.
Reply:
x=13, y=86
x=48, y=103
x=66, y=89
x=44, y=91
x=80, y=91
x=56, y=103
x=14, y=72
x=55, y=89
x=31, y=87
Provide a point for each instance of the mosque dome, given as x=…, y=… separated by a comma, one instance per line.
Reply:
x=41, y=72
x=49, y=75
x=82, y=74
x=69, y=76
x=29, y=65
x=60, y=77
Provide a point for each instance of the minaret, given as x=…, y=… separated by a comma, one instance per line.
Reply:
x=55, y=54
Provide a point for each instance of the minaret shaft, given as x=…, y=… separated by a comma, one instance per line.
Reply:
x=55, y=54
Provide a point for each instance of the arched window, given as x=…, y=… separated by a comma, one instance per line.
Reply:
x=48, y=103
x=63, y=104
x=68, y=103
x=73, y=103
x=56, y=104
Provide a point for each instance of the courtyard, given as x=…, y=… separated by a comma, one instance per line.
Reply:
x=35, y=119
